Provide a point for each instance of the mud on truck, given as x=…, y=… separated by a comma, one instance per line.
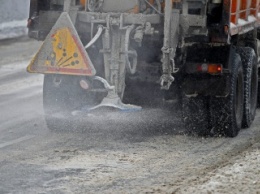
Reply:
x=202, y=53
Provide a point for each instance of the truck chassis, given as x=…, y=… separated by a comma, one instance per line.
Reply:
x=203, y=53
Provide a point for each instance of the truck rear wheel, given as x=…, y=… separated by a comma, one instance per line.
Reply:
x=196, y=115
x=250, y=84
x=227, y=112
x=61, y=95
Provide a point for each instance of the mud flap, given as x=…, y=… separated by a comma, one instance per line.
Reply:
x=62, y=52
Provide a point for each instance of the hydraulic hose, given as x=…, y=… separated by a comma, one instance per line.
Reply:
x=131, y=68
x=95, y=38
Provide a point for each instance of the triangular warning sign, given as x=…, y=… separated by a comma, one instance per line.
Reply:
x=62, y=52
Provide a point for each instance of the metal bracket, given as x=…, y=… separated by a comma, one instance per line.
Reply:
x=166, y=81
x=111, y=100
x=171, y=27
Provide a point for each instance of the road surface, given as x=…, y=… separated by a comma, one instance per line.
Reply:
x=144, y=152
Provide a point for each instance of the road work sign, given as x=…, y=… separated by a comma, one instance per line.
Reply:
x=62, y=52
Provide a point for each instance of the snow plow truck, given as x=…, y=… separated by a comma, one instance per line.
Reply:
x=201, y=53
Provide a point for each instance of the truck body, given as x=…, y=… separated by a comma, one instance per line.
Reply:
x=202, y=53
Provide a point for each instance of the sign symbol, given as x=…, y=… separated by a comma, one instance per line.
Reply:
x=75, y=55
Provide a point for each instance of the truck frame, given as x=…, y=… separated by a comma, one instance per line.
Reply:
x=202, y=53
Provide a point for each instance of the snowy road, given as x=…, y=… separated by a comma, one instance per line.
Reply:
x=144, y=152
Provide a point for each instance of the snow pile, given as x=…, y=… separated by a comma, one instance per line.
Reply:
x=13, y=29
x=242, y=175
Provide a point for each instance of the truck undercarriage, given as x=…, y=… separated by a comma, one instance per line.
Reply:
x=95, y=50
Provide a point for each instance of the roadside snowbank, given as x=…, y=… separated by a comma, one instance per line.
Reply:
x=242, y=175
x=13, y=29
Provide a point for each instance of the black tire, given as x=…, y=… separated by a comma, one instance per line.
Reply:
x=195, y=111
x=258, y=91
x=227, y=112
x=249, y=62
x=61, y=95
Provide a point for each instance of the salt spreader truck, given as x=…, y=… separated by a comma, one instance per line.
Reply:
x=202, y=53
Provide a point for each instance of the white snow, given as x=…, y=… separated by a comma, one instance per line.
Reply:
x=13, y=29
x=251, y=18
x=232, y=25
x=241, y=22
